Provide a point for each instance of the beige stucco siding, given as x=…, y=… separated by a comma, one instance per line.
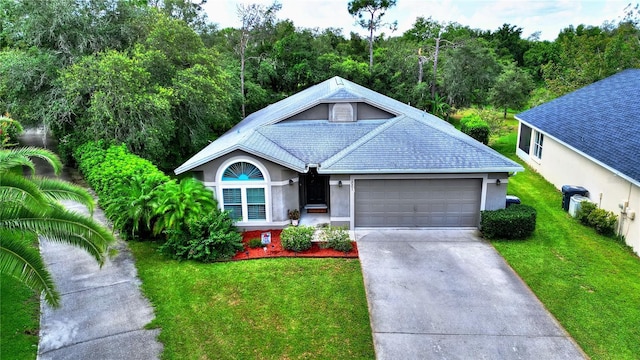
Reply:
x=561, y=165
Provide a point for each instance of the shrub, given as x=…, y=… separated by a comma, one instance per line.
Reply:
x=603, y=221
x=515, y=222
x=255, y=243
x=297, y=238
x=586, y=207
x=210, y=238
x=336, y=238
x=9, y=131
x=475, y=127
x=124, y=183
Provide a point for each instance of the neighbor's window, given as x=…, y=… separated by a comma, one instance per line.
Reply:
x=524, y=143
x=537, y=145
x=243, y=192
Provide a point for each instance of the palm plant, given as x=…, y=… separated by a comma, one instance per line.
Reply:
x=181, y=203
x=29, y=207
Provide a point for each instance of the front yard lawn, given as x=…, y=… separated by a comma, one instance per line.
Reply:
x=19, y=320
x=589, y=282
x=287, y=308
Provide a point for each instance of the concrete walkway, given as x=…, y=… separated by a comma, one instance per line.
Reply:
x=448, y=295
x=102, y=313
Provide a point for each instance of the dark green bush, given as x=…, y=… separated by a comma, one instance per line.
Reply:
x=297, y=238
x=124, y=183
x=603, y=221
x=336, y=238
x=211, y=238
x=475, y=127
x=586, y=207
x=255, y=243
x=515, y=222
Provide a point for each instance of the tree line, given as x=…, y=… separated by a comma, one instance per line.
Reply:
x=157, y=76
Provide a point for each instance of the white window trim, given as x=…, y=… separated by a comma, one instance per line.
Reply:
x=537, y=147
x=243, y=186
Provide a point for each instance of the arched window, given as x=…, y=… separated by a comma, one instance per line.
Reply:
x=244, y=192
x=242, y=171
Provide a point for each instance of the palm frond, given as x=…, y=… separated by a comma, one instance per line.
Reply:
x=10, y=158
x=67, y=227
x=18, y=258
x=57, y=190
x=16, y=193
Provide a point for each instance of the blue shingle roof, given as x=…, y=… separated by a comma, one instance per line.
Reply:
x=413, y=141
x=601, y=120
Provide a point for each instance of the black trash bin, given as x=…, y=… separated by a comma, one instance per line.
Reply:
x=512, y=199
x=568, y=191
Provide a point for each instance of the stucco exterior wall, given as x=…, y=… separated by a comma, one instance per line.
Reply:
x=496, y=193
x=340, y=200
x=560, y=165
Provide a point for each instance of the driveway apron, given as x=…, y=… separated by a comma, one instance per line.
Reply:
x=447, y=294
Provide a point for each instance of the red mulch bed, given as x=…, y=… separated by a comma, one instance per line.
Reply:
x=275, y=249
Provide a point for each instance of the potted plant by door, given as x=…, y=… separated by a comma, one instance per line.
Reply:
x=294, y=216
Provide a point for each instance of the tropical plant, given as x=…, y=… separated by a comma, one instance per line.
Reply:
x=29, y=208
x=181, y=203
x=210, y=238
x=132, y=206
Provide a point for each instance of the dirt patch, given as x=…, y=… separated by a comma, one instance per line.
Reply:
x=274, y=249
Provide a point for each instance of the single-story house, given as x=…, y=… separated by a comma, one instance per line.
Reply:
x=364, y=159
x=591, y=138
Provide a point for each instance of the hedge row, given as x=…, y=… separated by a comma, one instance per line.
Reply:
x=515, y=222
x=106, y=168
x=475, y=127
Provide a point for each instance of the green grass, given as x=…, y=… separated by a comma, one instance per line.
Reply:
x=589, y=282
x=19, y=320
x=259, y=309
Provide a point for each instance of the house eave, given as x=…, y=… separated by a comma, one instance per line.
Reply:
x=423, y=171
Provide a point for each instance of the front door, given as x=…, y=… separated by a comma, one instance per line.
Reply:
x=316, y=187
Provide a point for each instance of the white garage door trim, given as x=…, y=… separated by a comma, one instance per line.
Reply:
x=354, y=181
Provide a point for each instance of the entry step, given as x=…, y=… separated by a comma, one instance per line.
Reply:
x=316, y=208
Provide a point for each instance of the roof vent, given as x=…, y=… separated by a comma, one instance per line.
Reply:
x=342, y=112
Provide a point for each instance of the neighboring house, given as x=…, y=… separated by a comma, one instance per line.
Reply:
x=364, y=159
x=591, y=138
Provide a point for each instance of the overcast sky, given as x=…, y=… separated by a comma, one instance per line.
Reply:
x=548, y=17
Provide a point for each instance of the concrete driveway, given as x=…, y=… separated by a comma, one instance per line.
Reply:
x=447, y=294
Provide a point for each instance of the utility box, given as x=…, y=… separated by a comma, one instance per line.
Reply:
x=568, y=191
x=576, y=203
x=511, y=200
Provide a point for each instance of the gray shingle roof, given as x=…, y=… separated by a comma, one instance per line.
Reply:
x=601, y=120
x=413, y=141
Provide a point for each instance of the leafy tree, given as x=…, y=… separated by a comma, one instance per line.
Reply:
x=111, y=97
x=72, y=28
x=369, y=14
x=29, y=208
x=26, y=78
x=508, y=43
x=253, y=17
x=511, y=89
x=469, y=73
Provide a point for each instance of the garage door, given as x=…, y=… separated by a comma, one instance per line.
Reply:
x=417, y=203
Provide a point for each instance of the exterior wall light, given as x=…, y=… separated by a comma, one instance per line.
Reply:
x=339, y=183
x=498, y=182
x=290, y=181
